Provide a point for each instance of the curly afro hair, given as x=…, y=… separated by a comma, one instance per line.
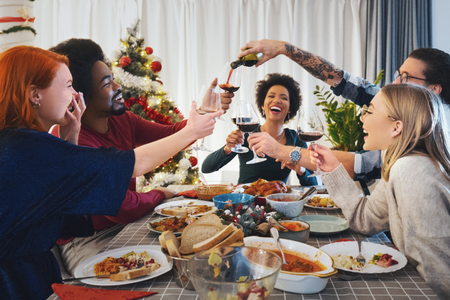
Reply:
x=82, y=54
x=293, y=87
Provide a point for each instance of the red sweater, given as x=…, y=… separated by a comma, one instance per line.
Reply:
x=126, y=132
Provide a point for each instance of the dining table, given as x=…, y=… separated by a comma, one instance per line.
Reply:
x=405, y=283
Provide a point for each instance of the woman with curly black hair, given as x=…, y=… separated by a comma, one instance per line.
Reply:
x=278, y=99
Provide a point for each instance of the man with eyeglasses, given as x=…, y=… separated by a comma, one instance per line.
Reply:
x=425, y=66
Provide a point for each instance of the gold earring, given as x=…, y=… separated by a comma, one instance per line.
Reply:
x=36, y=104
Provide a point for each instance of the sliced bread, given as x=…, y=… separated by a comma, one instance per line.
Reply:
x=237, y=244
x=130, y=274
x=232, y=238
x=210, y=219
x=168, y=235
x=172, y=248
x=195, y=233
x=214, y=240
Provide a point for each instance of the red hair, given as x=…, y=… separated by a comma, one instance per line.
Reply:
x=21, y=67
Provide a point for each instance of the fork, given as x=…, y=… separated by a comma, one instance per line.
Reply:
x=360, y=258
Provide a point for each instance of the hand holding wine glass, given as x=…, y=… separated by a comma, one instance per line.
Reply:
x=210, y=104
x=324, y=157
x=247, y=121
x=310, y=129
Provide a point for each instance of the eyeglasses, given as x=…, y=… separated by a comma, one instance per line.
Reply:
x=404, y=77
x=366, y=111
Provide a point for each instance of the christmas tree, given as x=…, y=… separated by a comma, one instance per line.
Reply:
x=136, y=69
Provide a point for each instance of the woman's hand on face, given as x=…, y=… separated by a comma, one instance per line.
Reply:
x=324, y=157
x=200, y=126
x=269, y=49
x=264, y=144
x=70, y=129
x=234, y=138
x=167, y=193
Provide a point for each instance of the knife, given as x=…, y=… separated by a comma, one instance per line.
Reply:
x=87, y=277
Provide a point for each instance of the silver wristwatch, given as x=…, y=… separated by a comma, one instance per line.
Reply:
x=295, y=155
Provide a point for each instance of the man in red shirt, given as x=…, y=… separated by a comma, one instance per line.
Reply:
x=106, y=123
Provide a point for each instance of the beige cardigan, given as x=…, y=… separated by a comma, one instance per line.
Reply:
x=414, y=205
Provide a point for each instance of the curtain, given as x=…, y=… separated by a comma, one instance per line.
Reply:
x=394, y=29
x=194, y=39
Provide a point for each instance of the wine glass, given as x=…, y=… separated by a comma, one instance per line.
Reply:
x=310, y=129
x=210, y=104
x=238, y=148
x=247, y=121
x=229, y=78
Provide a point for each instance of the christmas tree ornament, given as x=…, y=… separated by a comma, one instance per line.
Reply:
x=156, y=66
x=125, y=61
x=149, y=50
x=193, y=161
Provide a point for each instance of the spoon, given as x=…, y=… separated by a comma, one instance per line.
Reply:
x=274, y=222
x=274, y=234
x=308, y=193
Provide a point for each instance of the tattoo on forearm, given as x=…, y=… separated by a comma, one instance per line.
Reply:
x=315, y=65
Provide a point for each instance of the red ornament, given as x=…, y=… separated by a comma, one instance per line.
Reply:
x=193, y=161
x=125, y=61
x=149, y=50
x=159, y=81
x=156, y=66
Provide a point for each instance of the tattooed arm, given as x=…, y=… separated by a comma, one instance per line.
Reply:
x=314, y=64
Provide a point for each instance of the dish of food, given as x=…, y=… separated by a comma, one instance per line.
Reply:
x=341, y=252
x=86, y=268
x=179, y=208
x=322, y=224
x=174, y=224
x=321, y=201
x=262, y=188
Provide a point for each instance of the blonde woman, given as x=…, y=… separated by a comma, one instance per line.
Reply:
x=413, y=199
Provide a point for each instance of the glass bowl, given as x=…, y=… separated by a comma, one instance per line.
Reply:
x=221, y=200
x=207, y=192
x=222, y=273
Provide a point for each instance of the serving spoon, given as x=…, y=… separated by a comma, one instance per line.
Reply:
x=275, y=236
x=274, y=222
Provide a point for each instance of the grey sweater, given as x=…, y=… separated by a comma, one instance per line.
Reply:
x=414, y=205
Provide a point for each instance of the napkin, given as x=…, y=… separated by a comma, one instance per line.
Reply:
x=189, y=194
x=73, y=292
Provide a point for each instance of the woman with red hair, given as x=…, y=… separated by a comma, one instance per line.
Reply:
x=45, y=178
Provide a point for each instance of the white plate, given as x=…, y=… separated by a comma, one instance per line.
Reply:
x=323, y=224
x=368, y=250
x=86, y=268
x=149, y=226
x=185, y=202
x=323, y=208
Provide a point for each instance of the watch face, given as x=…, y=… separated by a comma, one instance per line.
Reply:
x=295, y=155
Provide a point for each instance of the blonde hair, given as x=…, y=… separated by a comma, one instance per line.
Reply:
x=425, y=130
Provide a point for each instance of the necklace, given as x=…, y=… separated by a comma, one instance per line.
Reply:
x=282, y=136
x=279, y=139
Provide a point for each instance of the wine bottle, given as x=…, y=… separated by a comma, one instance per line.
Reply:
x=248, y=60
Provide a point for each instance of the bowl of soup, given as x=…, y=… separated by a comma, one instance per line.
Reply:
x=309, y=277
x=287, y=203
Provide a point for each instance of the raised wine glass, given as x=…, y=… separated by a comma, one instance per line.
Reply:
x=238, y=148
x=310, y=129
x=247, y=121
x=229, y=78
x=210, y=104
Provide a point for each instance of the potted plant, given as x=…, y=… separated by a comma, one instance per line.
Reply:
x=343, y=120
